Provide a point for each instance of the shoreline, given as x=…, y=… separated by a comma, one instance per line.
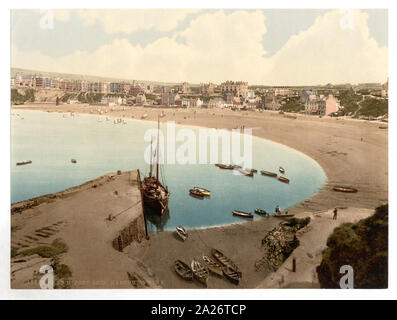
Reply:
x=355, y=156
x=374, y=196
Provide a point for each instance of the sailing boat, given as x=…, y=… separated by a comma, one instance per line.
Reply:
x=154, y=195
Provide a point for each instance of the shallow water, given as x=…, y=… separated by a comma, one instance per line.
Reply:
x=51, y=141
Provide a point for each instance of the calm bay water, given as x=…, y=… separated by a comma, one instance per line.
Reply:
x=50, y=141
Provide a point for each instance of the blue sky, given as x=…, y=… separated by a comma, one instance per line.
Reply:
x=76, y=33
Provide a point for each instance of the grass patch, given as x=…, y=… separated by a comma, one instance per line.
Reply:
x=57, y=247
x=62, y=274
x=372, y=107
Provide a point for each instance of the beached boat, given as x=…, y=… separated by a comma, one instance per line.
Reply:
x=232, y=275
x=183, y=270
x=203, y=191
x=181, y=232
x=245, y=172
x=225, y=261
x=242, y=214
x=21, y=163
x=200, y=271
x=154, y=194
x=283, y=179
x=261, y=212
x=281, y=169
x=252, y=170
x=213, y=266
x=73, y=161
x=284, y=215
x=345, y=189
x=268, y=173
x=224, y=166
x=197, y=194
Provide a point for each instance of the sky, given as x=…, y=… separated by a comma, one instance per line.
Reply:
x=261, y=46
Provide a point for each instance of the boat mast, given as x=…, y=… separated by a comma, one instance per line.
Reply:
x=151, y=157
x=157, y=150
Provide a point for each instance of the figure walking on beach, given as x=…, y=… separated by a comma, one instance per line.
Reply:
x=277, y=209
x=335, y=214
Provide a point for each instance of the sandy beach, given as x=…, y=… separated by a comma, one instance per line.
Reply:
x=351, y=152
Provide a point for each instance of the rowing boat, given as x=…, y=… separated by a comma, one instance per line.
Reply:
x=345, y=189
x=225, y=261
x=246, y=172
x=195, y=193
x=283, y=179
x=261, y=212
x=281, y=169
x=213, y=266
x=181, y=232
x=203, y=191
x=268, y=173
x=232, y=275
x=200, y=271
x=183, y=270
x=224, y=166
x=21, y=163
x=242, y=214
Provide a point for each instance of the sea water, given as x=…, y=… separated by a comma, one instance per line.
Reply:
x=51, y=140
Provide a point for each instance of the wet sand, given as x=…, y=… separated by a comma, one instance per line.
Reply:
x=351, y=152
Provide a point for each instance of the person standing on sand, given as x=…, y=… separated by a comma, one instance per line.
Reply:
x=277, y=209
x=335, y=214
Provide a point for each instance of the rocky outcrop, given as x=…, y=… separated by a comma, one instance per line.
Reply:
x=279, y=244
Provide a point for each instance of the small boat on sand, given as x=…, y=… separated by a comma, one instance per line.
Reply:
x=268, y=173
x=224, y=166
x=261, y=212
x=200, y=271
x=183, y=270
x=284, y=215
x=242, y=214
x=245, y=172
x=281, y=169
x=225, y=261
x=283, y=179
x=196, y=194
x=203, y=191
x=232, y=275
x=345, y=189
x=73, y=161
x=213, y=266
x=181, y=232
x=21, y=163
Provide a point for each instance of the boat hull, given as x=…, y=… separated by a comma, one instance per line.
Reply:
x=183, y=270
x=282, y=179
x=242, y=214
x=269, y=174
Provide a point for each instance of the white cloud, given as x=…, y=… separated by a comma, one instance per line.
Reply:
x=130, y=20
x=337, y=48
x=218, y=46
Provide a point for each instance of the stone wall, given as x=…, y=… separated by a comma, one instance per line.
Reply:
x=134, y=232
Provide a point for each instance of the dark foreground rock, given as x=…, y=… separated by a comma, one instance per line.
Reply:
x=280, y=243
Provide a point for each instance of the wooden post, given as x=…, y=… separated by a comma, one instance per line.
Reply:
x=293, y=265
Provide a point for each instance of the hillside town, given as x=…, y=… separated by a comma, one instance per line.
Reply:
x=328, y=100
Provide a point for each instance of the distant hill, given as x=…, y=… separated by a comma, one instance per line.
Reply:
x=71, y=76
